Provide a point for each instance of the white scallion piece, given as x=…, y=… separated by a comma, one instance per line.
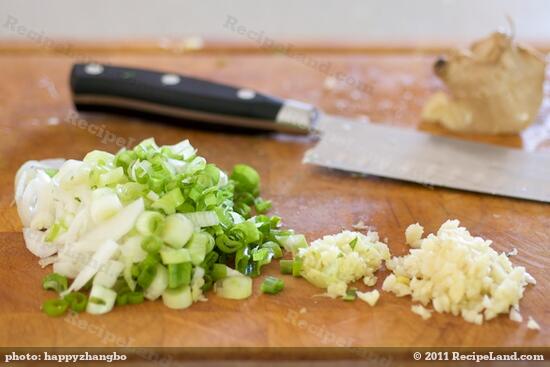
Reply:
x=159, y=284
x=234, y=287
x=34, y=240
x=108, y=273
x=105, y=204
x=178, y=298
x=113, y=228
x=103, y=254
x=177, y=230
x=101, y=300
x=203, y=219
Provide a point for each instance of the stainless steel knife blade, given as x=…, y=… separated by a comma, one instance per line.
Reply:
x=374, y=149
x=409, y=155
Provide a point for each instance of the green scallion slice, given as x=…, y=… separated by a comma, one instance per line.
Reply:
x=151, y=244
x=122, y=299
x=179, y=274
x=134, y=298
x=262, y=205
x=146, y=275
x=55, y=307
x=77, y=301
x=175, y=256
x=286, y=266
x=272, y=285
x=149, y=223
x=169, y=202
x=297, y=267
x=219, y=271
x=55, y=282
x=274, y=248
x=351, y=295
x=246, y=178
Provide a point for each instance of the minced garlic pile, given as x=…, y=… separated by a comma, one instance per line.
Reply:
x=336, y=260
x=457, y=273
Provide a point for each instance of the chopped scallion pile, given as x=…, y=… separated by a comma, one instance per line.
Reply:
x=151, y=222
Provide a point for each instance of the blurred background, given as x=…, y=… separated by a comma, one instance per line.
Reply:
x=313, y=20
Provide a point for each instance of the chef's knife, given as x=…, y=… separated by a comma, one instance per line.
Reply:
x=368, y=148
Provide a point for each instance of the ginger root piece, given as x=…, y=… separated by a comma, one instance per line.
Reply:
x=495, y=87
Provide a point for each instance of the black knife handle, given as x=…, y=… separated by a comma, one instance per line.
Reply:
x=97, y=85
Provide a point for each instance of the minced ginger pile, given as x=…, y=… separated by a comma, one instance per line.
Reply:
x=336, y=260
x=457, y=273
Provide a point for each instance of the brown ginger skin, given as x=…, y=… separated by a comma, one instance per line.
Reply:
x=495, y=87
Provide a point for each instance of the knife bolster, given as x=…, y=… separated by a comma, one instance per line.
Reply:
x=297, y=114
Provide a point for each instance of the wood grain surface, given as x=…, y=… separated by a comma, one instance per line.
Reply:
x=34, y=108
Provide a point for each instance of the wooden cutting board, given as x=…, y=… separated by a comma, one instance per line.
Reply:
x=35, y=103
